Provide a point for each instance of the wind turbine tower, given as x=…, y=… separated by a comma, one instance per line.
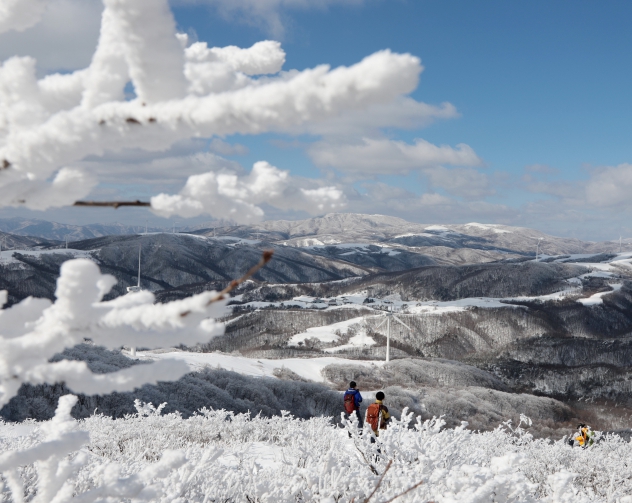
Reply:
x=134, y=289
x=390, y=315
x=537, y=249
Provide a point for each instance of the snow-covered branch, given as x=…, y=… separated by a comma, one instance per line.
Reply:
x=181, y=92
x=32, y=331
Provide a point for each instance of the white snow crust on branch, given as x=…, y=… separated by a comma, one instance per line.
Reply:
x=182, y=92
x=34, y=330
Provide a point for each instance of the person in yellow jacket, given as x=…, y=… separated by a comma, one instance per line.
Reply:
x=584, y=435
x=377, y=414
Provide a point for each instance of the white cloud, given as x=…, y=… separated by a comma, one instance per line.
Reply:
x=265, y=14
x=402, y=113
x=610, y=187
x=223, y=148
x=165, y=171
x=383, y=156
x=18, y=15
x=464, y=182
x=428, y=207
x=238, y=198
x=64, y=38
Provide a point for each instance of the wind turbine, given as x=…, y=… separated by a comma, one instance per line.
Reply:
x=137, y=288
x=537, y=248
x=387, y=320
x=134, y=289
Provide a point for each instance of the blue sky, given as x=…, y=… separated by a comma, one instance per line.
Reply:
x=541, y=89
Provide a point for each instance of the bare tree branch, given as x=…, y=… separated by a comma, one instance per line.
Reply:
x=266, y=256
x=379, y=482
x=406, y=491
x=111, y=204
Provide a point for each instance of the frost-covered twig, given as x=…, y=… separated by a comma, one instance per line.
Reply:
x=411, y=488
x=379, y=482
x=266, y=256
x=32, y=331
x=182, y=91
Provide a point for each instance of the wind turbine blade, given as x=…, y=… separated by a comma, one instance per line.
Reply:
x=384, y=321
x=402, y=323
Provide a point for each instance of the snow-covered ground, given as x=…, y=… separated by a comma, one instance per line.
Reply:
x=596, y=299
x=491, y=227
x=307, y=368
x=359, y=248
x=6, y=256
x=623, y=259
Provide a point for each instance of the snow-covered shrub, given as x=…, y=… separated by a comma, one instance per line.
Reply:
x=234, y=457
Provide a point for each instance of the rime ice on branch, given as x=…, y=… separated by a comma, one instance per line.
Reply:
x=34, y=330
x=181, y=92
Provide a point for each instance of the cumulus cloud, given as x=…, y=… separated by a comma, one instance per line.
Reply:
x=60, y=34
x=610, y=187
x=266, y=14
x=68, y=186
x=403, y=112
x=383, y=156
x=238, y=198
x=19, y=15
x=166, y=171
x=607, y=187
x=464, y=182
x=427, y=207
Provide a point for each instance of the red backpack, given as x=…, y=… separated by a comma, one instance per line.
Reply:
x=349, y=401
x=374, y=415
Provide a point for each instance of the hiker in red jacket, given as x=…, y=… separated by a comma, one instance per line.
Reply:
x=377, y=414
x=352, y=401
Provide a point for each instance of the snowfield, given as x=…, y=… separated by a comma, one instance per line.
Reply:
x=307, y=368
x=6, y=256
x=221, y=456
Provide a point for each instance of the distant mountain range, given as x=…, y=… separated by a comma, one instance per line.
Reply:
x=59, y=232
x=560, y=326
x=333, y=234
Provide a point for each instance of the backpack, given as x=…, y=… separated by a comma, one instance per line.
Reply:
x=374, y=415
x=349, y=402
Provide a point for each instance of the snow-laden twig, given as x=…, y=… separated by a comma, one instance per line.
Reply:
x=182, y=91
x=37, y=330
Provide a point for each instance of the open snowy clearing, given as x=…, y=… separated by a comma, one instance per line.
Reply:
x=596, y=299
x=359, y=248
x=6, y=256
x=307, y=368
